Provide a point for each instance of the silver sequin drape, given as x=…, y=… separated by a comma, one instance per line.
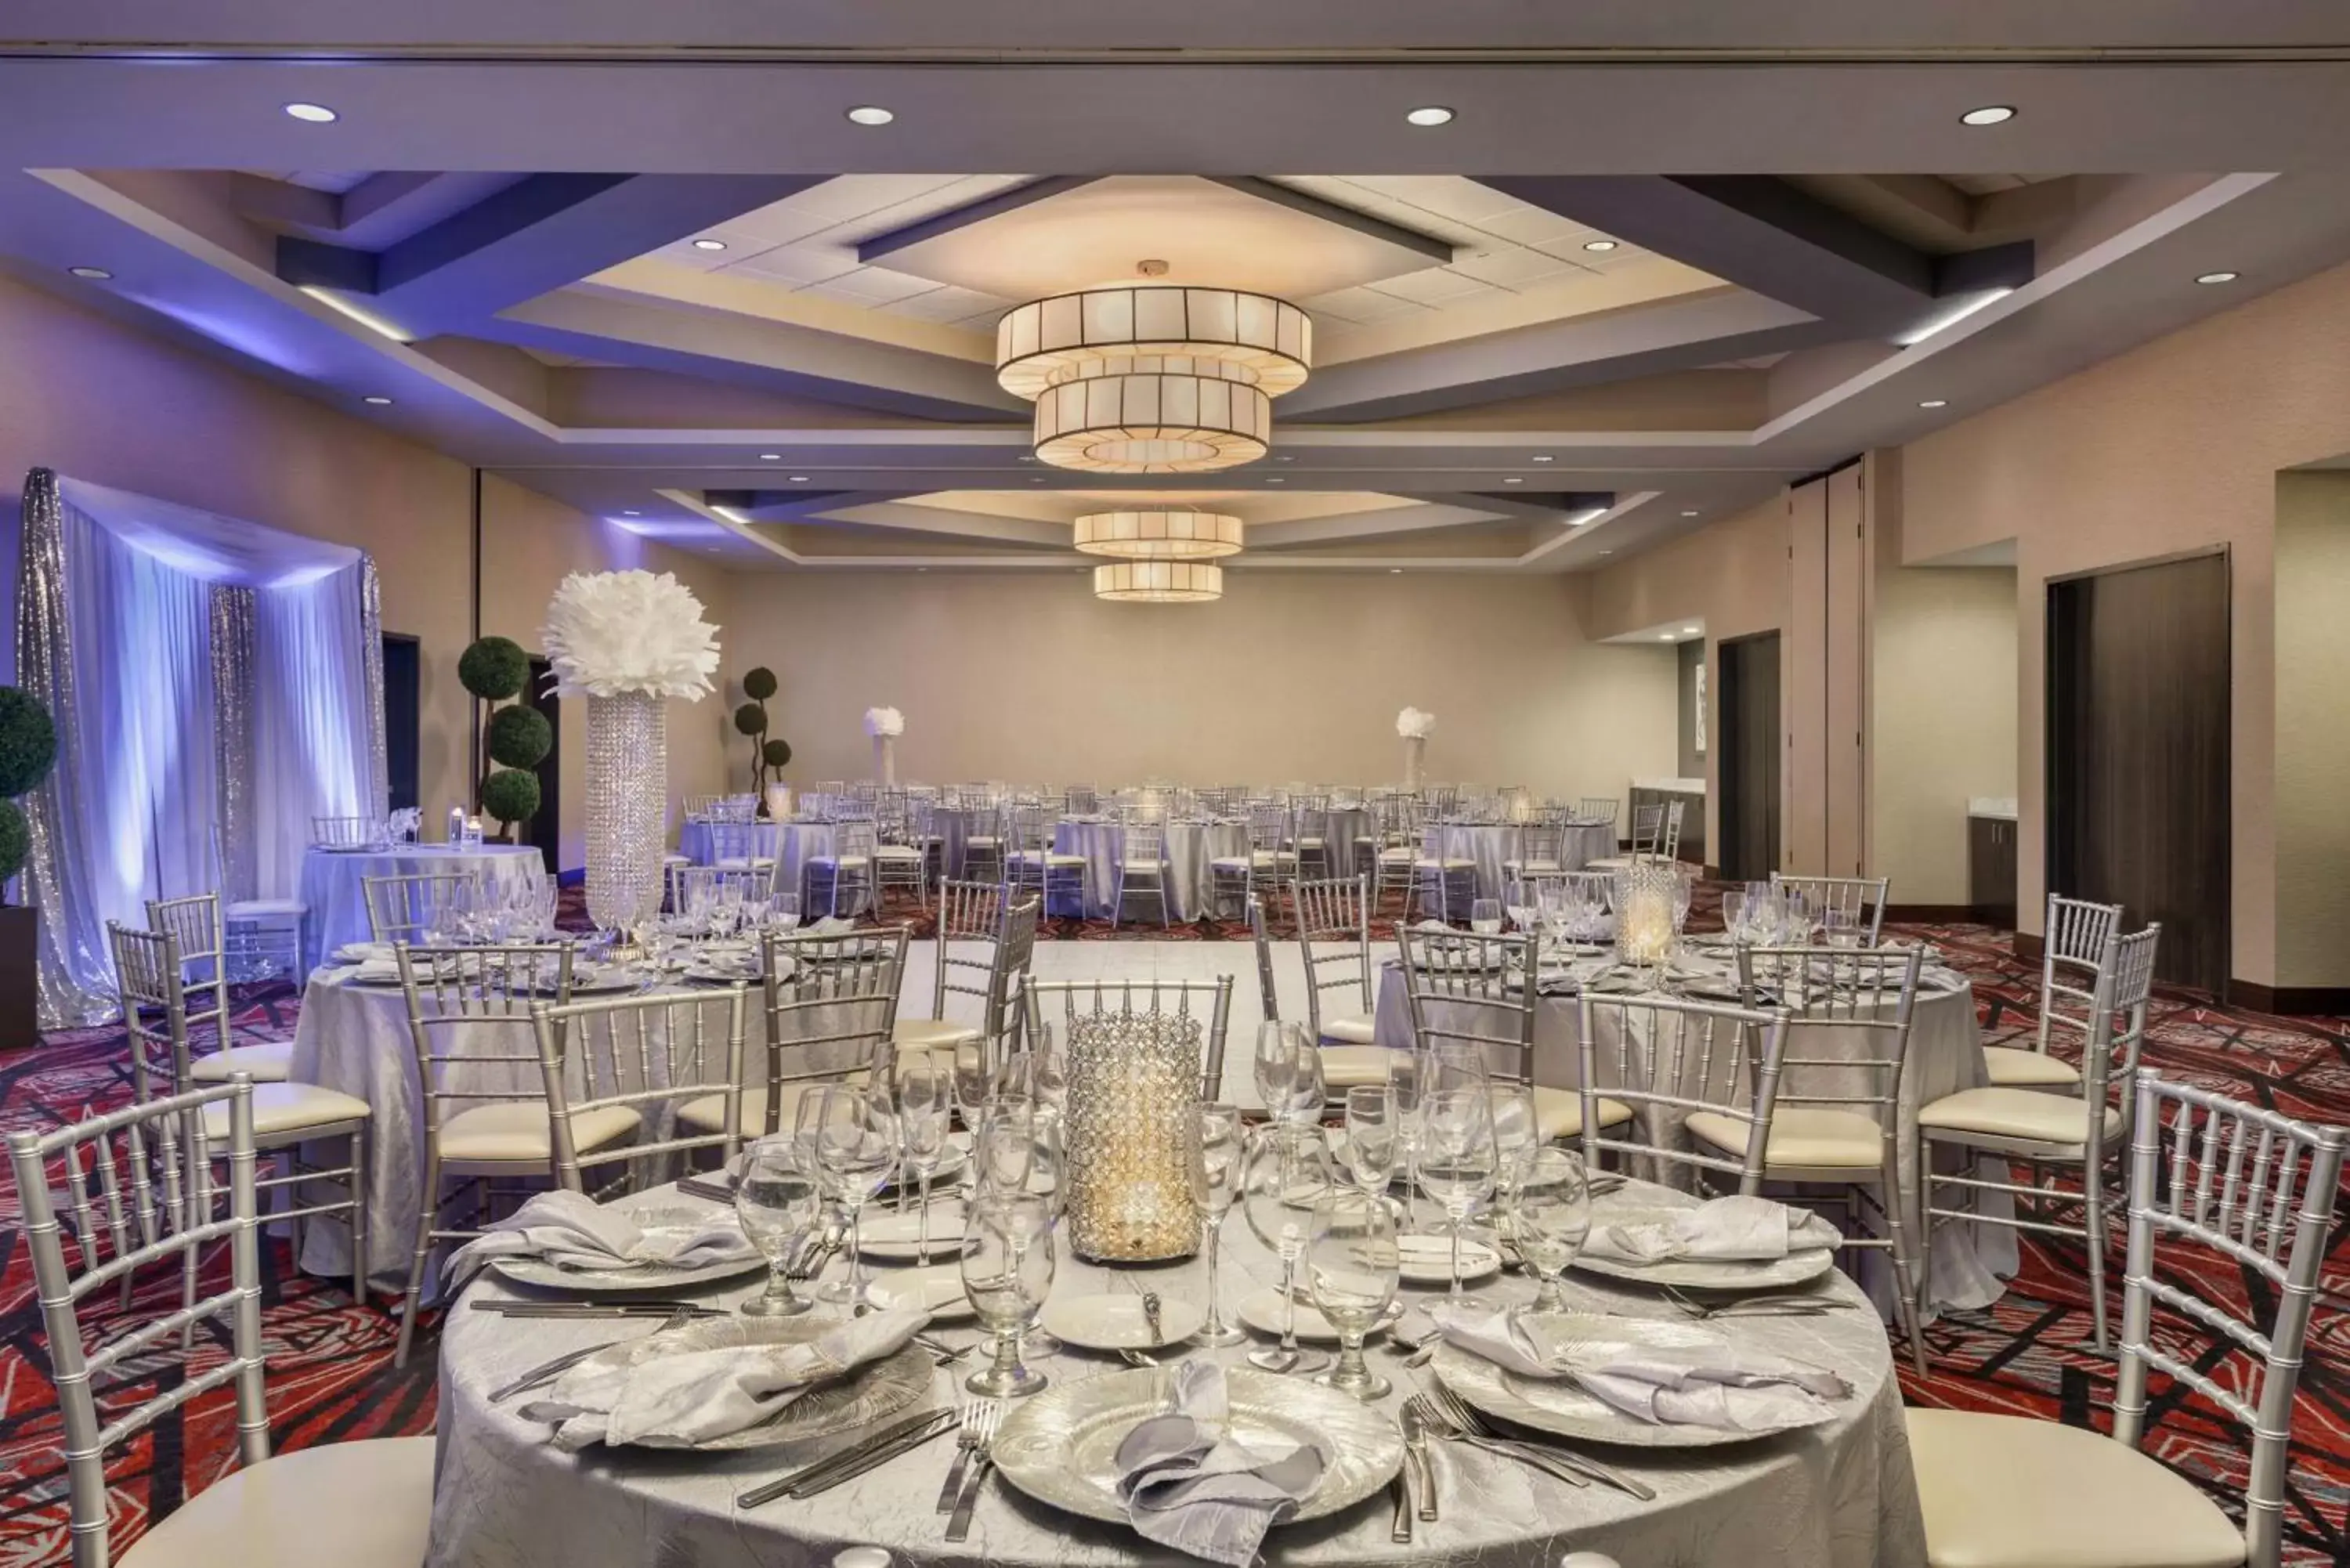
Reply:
x=233, y=676
x=378, y=779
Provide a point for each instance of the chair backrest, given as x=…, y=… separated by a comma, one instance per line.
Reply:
x=639, y=1054
x=1142, y=844
x=1668, y=837
x=450, y=990
x=1332, y=912
x=1598, y=808
x=194, y=923
x=2117, y=1020
x=2073, y=954
x=138, y=1194
x=1473, y=991
x=1665, y=1058
x=2257, y=1189
x=1063, y=1003
x=346, y=832
x=702, y=808
x=733, y=843
x=1648, y=828
x=968, y=912
x=1541, y=843
x=416, y=905
x=1860, y=899
x=856, y=838
x=697, y=889
x=148, y=984
x=1268, y=997
x=1268, y=826
x=830, y=1004
x=1869, y=991
x=1080, y=800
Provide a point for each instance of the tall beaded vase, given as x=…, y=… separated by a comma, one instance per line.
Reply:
x=885, y=760
x=1131, y=1131
x=628, y=807
x=1415, y=760
x=1644, y=913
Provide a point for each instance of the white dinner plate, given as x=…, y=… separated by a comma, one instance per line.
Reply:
x=540, y=1274
x=892, y=1237
x=707, y=974
x=1557, y=1406
x=1426, y=1259
x=936, y=1290
x=1693, y=1273
x=1261, y=1310
x=1118, y=1322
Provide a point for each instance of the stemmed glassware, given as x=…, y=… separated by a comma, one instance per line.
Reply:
x=1003, y=1146
x=1213, y=1177
x=779, y=1202
x=1486, y=917
x=1352, y=1261
x=1522, y=900
x=1549, y=1219
x=1288, y=1068
x=1372, y=1136
x=1458, y=1160
x=925, y=1105
x=1008, y=1272
x=853, y=1134
x=1517, y=1135
x=1287, y=1175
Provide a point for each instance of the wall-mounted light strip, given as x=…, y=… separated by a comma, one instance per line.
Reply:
x=366, y=319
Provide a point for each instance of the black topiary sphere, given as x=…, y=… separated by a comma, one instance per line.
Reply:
x=511, y=795
x=759, y=684
x=16, y=839
x=776, y=753
x=28, y=742
x=750, y=718
x=493, y=668
x=520, y=737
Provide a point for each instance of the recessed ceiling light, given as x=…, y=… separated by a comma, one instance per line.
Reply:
x=378, y=400
x=1935, y=403
x=870, y=114
x=1600, y=245
x=799, y=479
x=1989, y=114
x=1689, y=632
x=1607, y=551
x=1394, y=571
x=1689, y=513
x=98, y=274
x=1276, y=481
x=316, y=113
x=1430, y=114
x=710, y=245
x=1664, y=637
x=1542, y=457
x=771, y=457
x=2216, y=277
x=632, y=513
x=1514, y=480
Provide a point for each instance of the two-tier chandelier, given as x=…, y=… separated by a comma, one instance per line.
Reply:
x=1159, y=556
x=1153, y=378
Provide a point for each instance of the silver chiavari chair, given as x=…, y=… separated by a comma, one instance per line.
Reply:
x=139, y=1195
x=702, y=807
x=1659, y=1061
x=2067, y=1135
x=1541, y=848
x=1203, y=1004
x=1647, y=838
x=2212, y=1181
x=902, y=857
x=1269, y=862
x=848, y=863
x=2074, y=955
x=1598, y=808
x=1478, y=993
x=417, y=907
x=637, y=1056
x=1005, y=931
x=1141, y=867
x=698, y=888
x=983, y=846
x=1080, y=800
x=1035, y=866
x=1332, y=918
x=346, y=832
x=1395, y=850
x=1838, y=1121
x=194, y=923
x=1450, y=878
x=830, y=1004
x=485, y=1122
x=1268, y=993
x=1669, y=839
x=286, y=1115
x=1310, y=820
x=734, y=846
x=1860, y=900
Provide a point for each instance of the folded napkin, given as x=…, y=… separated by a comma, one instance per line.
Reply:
x=1724, y=1230
x=572, y=1230
x=828, y=926
x=1718, y=1384
x=657, y=1397
x=1188, y=1483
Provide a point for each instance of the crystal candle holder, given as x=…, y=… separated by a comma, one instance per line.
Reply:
x=1131, y=1132
x=1644, y=914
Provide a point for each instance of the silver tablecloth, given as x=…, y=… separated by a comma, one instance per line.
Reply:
x=1945, y=1056
x=334, y=884
x=951, y=826
x=1839, y=1495
x=1192, y=847
x=1586, y=842
x=694, y=841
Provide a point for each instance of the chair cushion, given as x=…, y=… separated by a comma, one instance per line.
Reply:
x=279, y=1108
x=900, y=852
x=265, y=1064
x=1530, y=866
x=2017, y=1113
x=980, y=841
x=708, y=1114
x=2013, y=1067
x=850, y=862
x=1358, y=1030
x=1447, y=864
x=924, y=1034
x=1802, y=1137
x=358, y=1505
x=1309, y=843
x=2008, y=1491
x=1608, y=863
x=1399, y=856
x=516, y=1131
x=262, y=908
x=1347, y=1067
x=1559, y=1113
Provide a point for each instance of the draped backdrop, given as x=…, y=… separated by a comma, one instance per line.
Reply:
x=215, y=683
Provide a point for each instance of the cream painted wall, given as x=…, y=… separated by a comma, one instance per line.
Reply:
x=1291, y=676
x=2313, y=702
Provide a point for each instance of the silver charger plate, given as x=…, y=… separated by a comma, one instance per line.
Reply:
x=1694, y=1274
x=540, y=1275
x=871, y=1393
x=1060, y=1447
x=1559, y=1407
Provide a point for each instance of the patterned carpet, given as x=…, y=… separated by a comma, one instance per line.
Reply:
x=331, y=1374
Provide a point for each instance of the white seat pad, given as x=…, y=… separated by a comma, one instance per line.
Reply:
x=516, y=1131
x=2014, y=1067
x=2017, y=1113
x=1360, y=1030
x=708, y=1114
x=1347, y=1067
x=900, y=852
x=356, y=1505
x=1802, y=1137
x=924, y=1034
x=289, y=1107
x=1448, y=864
x=1559, y=1113
x=2007, y=1491
x=265, y=1064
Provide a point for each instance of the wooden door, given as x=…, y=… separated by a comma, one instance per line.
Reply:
x=1803, y=841
x=2137, y=755
x=1845, y=648
x=1747, y=754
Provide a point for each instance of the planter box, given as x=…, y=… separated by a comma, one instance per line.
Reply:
x=20, y=1027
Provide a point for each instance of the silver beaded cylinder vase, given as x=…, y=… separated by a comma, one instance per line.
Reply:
x=628, y=807
x=1131, y=1132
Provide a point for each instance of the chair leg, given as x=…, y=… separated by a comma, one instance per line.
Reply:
x=428, y=1206
x=358, y=1189
x=1118, y=899
x=1907, y=1298
x=2094, y=1238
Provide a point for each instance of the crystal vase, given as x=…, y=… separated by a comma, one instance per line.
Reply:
x=1130, y=1128
x=885, y=758
x=1644, y=913
x=628, y=807
x=1415, y=757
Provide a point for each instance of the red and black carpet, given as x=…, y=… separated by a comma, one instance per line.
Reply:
x=330, y=1374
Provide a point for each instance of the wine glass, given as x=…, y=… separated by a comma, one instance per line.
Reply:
x=925, y=1103
x=1286, y=1175
x=1517, y=1135
x=1352, y=1264
x=1214, y=1175
x=1550, y=1218
x=854, y=1135
x=1522, y=898
x=1288, y=1068
x=1371, y=1137
x=1486, y=917
x=1003, y=1147
x=1007, y=1272
x=974, y=1084
x=1837, y=927
x=778, y=1199
x=1458, y=1160
x=1733, y=915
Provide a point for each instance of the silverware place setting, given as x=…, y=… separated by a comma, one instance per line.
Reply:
x=547, y=1372
x=900, y=1436
x=1752, y=1305
x=979, y=1419
x=1469, y=1426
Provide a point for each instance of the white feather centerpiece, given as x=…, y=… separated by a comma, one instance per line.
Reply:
x=885, y=725
x=879, y=721
x=1414, y=724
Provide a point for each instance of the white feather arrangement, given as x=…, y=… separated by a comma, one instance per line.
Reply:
x=1414, y=725
x=608, y=633
x=884, y=721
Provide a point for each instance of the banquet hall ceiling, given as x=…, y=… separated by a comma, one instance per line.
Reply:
x=1651, y=270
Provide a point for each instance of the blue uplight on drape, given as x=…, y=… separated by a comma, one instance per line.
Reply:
x=117, y=621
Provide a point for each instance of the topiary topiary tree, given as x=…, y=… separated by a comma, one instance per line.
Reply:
x=511, y=795
x=516, y=737
x=493, y=668
x=28, y=748
x=751, y=719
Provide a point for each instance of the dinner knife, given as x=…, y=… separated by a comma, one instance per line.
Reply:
x=873, y=1460
x=1399, y=1531
x=770, y=1490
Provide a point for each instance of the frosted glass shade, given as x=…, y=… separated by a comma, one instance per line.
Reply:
x=1158, y=582
x=1159, y=536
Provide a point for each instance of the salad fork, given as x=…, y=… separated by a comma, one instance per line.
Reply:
x=979, y=1419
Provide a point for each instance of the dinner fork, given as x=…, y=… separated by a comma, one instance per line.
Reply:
x=548, y=1371
x=1435, y=1413
x=1473, y=1423
x=1752, y=1306
x=983, y=1461
x=979, y=1419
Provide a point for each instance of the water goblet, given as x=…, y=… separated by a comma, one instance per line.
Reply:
x=1458, y=1160
x=853, y=1134
x=1549, y=1219
x=776, y=1198
x=1214, y=1175
x=925, y=1105
x=1352, y=1265
x=1003, y=1147
x=1522, y=901
x=1371, y=1136
x=1008, y=1272
x=1486, y=917
x=1287, y=1175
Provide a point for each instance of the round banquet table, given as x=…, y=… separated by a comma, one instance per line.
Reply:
x=1191, y=849
x=797, y=843
x=694, y=841
x=1838, y=1495
x=1945, y=1056
x=1586, y=842
x=951, y=826
x=1486, y=845
x=334, y=883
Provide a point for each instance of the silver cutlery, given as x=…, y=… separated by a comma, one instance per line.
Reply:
x=1438, y=1417
x=1136, y=1359
x=978, y=1418
x=1752, y=1306
x=911, y=1430
x=983, y=1461
x=1472, y=1420
x=943, y=1352
x=1151, y=1316
x=599, y=1309
x=874, y=1458
x=1418, y=1460
x=1400, y=1531
x=548, y=1371
x=696, y=1187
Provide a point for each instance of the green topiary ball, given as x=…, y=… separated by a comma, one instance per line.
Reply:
x=511, y=795
x=775, y=753
x=759, y=683
x=16, y=839
x=29, y=741
x=520, y=737
x=493, y=668
x=750, y=718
